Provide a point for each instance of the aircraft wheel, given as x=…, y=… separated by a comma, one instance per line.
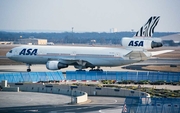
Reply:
x=28, y=70
x=96, y=70
x=80, y=70
x=91, y=70
x=100, y=70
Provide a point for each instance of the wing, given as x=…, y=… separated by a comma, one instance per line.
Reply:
x=136, y=55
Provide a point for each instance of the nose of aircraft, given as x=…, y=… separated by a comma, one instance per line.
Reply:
x=8, y=54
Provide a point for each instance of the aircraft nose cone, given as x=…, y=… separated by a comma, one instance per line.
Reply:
x=8, y=55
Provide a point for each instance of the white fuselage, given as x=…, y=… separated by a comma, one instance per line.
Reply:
x=98, y=56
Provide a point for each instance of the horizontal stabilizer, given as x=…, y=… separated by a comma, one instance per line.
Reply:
x=160, y=52
x=136, y=55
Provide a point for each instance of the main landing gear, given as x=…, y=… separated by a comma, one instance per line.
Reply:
x=28, y=67
x=80, y=70
x=98, y=69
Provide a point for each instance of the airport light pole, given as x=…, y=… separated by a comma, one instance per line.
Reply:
x=72, y=31
x=71, y=95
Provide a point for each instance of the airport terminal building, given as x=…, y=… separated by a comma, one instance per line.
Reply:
x=33, y=41
x=6, y=42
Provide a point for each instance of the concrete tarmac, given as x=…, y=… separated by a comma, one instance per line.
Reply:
x=52, y=103
x=42, y=68
x=28, y=102
x=15, y=99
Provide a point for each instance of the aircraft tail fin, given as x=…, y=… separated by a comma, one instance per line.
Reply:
x=148, y=29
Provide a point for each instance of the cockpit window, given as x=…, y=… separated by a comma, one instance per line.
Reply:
x=10, y=51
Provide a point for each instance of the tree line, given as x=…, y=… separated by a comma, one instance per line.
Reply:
x=72, y=37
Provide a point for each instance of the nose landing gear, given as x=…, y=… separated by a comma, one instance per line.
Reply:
x=98, y=69
x=28, y=68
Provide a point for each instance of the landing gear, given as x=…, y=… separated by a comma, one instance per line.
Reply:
x=95, y=70
x=81, y=70
x=98, y=69
x=28, y=69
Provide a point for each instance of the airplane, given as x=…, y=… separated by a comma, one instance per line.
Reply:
x=58, y=57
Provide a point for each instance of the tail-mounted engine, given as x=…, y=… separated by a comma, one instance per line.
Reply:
x=140, y=43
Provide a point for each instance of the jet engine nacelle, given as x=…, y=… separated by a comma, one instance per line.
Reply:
x=55, y=65
x=140, y=43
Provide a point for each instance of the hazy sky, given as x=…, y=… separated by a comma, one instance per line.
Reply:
x=88, y=15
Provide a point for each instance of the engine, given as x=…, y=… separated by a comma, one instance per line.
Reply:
x=156, y=44
x=140, y=43
x=55, y=65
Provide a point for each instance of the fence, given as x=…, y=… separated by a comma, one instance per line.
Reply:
x=120, y=76
x=151, y=105
x=94, y=75
x=32, y=76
